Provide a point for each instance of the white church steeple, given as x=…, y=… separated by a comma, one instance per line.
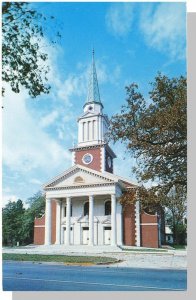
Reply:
x=93, y=95
x=93, y=124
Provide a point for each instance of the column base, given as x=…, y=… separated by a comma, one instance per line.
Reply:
x=47, y=244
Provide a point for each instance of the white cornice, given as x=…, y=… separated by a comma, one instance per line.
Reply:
x=79, y=186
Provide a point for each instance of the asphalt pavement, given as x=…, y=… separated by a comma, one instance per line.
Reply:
x=29, y=276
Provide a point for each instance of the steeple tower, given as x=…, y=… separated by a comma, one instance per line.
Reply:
x=93, y=150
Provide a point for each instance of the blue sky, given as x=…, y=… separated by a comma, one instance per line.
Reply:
x=132, y=41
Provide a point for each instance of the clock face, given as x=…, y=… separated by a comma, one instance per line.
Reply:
x=87, y=158
x=109, y=161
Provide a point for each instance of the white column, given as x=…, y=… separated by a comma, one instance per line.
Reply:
x=137, y=223
x=48, y=222
x=58, y=222
x=113, y=220
x=91, y=220
x=68, y=214
x=119, y=224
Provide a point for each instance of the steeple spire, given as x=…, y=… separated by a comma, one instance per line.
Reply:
x=93, y=88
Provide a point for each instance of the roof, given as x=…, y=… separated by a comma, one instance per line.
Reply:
x=93, y=95
x=104, y=177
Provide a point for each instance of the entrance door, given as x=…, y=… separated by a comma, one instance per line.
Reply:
x=85, y=235
x=107, y=235
x=71, y=235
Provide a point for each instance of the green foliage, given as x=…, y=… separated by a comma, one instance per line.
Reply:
x=23, y=62
x=18, y=222
x=13, y=222
x=155, y=132
x=180, y=231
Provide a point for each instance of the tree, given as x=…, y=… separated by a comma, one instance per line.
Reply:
x=12, y=218
x=36, y=204
x=176, y=204
x=18, y=222
x=155, y=132
x=36, y=209
x=23, y=62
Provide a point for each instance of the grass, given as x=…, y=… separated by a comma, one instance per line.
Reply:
x=60, y=258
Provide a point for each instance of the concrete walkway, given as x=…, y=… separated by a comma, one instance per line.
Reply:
x=175, y=259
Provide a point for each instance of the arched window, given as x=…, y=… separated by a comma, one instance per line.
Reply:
x=86, y=208
x=107, y=208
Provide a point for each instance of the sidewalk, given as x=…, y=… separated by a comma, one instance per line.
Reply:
x=174, y=259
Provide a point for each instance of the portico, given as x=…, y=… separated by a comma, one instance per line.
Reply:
x=92, y=219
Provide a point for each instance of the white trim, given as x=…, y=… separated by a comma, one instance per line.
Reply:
x=83, y=158
x=103, y=159
x=39, y=225
x=73, y=158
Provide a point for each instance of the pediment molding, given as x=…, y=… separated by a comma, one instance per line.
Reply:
x=73, y=171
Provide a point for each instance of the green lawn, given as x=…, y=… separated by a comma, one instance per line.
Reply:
x=59, y=258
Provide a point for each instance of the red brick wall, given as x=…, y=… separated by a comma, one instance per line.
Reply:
x=95, y=164
x=39, y=232
x=149, y=233
x=129, y=225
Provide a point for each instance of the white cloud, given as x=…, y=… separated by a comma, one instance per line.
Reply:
x=164, y=28
x=119, y=18
x=49, y=119
x=73, y=85
x=26, y=146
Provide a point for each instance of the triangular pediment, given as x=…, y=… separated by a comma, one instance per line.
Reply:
x=78, y=176
x=88, y=114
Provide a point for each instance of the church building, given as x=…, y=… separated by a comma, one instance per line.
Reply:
x=82, y=203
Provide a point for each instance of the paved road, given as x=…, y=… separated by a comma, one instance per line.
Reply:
x=28, y=276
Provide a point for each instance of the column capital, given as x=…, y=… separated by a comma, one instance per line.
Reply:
x=91, y=197
x=48, y=199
